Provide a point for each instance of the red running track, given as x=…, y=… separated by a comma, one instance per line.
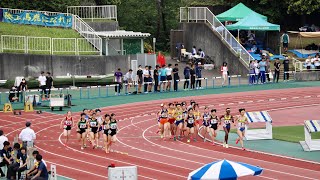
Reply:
x=166, y=160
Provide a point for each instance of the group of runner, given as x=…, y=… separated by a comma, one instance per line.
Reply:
x=91, y=126
x=177, y=120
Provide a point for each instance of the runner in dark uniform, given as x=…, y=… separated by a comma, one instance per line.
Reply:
x=205, y=122
x=106, y=128
x=213, y=125
x=66, y=124
x=190, y=120
x=112, y=131
x=94, y=126
x=82, y=130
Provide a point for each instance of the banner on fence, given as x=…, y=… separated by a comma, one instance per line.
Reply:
x=37, y=18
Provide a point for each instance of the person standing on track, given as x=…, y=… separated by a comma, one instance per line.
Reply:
x=27, y=135
x=205, y=122
x=213, y=125
x=82, y=130
x=112, y=131
x=227, y=118
x=66, y=124
x=94, y=127
x=106, y=128
x=242, y=121
x=190, y=120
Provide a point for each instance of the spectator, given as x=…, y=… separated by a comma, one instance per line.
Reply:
x=3, y=138
x=128, y=79
x=194, y=50
x=175, y=72
x=163, y=76
x=156, y=78
x=13, y=94
x=27, y=135
x=316, y=62
x=146, y=76
x=193, y=76
x=224, y=70
x=16, y=161
x=198, y=75
x=22, y=164
x=285, y=41
x=49, y=83
x=118, y=80
x=202, y=54
x=251, y=72
x=256, y=70
x=42, y=84
x=277, y=65
x=23, y=87
x=150, y=79
x=251, y=37
x=140, y=79
x=286, y=64
x=5, y=157
x=41, y=173
x=268, y=70
x=262, y=65
x=308, y=63
x=169, y=76
x=186, y=73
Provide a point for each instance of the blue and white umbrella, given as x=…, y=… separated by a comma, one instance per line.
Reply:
x=224, y=170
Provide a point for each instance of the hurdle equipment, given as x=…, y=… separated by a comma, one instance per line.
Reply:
x=124, y=172
x=309, y=144
x=259, y=117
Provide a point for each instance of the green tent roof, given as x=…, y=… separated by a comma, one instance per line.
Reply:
x=237, y=13
x=254, y=22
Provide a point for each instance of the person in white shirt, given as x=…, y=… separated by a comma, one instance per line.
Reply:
x=3, y=138
x=169, y=76
x=146, y=76
x=308, y=63
x=194, y=50
x=27, y=135
x=202, y=55
x=43, y=85
x=316, y=62
x=128, y=79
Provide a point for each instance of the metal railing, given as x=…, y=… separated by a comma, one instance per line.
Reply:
x=17, y=11
x=87, y=32
x=30, y=45
x=94, y=12
x=203, y=14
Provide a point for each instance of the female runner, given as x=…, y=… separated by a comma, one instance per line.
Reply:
x=171, y=118
x=106, y=129
x=164, y=122
x=112, y=131
x=205, y=122
x=213, y=125
x=227, y=118
x=94, y=126
x=197, y=115
x=82, y=130
x=190, y=125
x=67, y=123
x=242, y=122
x=179, y=121
x=100, y=120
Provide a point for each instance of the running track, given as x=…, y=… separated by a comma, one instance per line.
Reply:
x=166, y=160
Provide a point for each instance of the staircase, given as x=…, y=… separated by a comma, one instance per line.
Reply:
x=203, y=14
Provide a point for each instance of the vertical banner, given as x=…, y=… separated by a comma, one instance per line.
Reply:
x=1, y=14
x=37, y=18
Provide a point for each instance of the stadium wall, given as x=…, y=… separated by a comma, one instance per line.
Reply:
x=12, y=65
x=202, y=36
x=103, y=26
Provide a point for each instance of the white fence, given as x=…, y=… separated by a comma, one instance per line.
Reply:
x=94, y=12
x=28, y=44
x=203, y=14
x=17, y=11
x=87, y=32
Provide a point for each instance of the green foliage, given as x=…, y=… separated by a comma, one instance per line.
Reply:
x=302, y=7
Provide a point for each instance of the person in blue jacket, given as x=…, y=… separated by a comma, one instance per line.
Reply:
x=198, y=75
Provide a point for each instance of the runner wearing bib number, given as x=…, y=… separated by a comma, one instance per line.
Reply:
x=99, y=119
x=82, y=130
x=242, y=121
x=205, y=122
x=66, y=124
x=94, y=126
x=106, y=129
x=171, y=119
x=227, y=119
x=213, y=125
x=197, y=115
x=179, y=122
x=190, y=120
x=112, y=131
x=163, y=114
x=185, y=115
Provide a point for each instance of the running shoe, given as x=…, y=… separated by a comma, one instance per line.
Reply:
x=161, y=136
x=243, y=149
x=174, y=138
x=85, y=146
x=237, y=141
x=188, y=140
x=227, y=146
x=224, y=144
x=82, y=148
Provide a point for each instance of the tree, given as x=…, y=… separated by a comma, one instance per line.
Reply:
x=303, y=7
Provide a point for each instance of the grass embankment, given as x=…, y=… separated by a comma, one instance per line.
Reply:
x=40, y=31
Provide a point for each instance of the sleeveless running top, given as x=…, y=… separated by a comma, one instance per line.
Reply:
x=213, y=120
x=170, y=113
x=227, y=119
x=68, y=121
x=82, y=124
x=197, y=114
x=179, y=115
x=93, y=123
x=113, y=125
x=190, y=119
x=242, y=121
x=105, y=125
x=164, y=113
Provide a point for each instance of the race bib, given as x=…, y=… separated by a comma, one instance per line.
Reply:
x=105, y=127
x=82, y=126
x=179, y=117
x=68, y=123
x=227, y=121
x=190, y=121
x=93, y=124
x=109, y=132
x=113, y=126
x=213, y=121
x=241, y=124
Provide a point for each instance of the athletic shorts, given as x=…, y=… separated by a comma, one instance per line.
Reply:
x=190, y=125
x=178, y=122
x=105, y=131
x=228, y=126
x=214, y=126
x=169, y=78
x=163, y=78
x=285, y=45
x=112, y=132
x=94, y=130
x=100, y=129
x=197, y=122
x=68, y=128
x=163, y=120
x=81, y=131
x=242, y=129
x=206, y=124
x=171, y=120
